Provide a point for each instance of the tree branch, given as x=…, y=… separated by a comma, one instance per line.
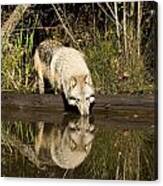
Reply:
x=13, y=20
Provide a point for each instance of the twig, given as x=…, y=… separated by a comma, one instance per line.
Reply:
x=65, y=173
x=118, y=167
x=64, y=26
x=125, y=30
x=138, y=168
x=124, y=169
x=114, y=15
x=105, y=12
x=34, y=28
x=66, y=20
x=138, y=27
x=117, y=24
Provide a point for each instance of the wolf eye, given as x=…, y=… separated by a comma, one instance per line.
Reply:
x=77, y=129
x=72, y=98
x=73, y=144
x=86, y=147
x=73, y=129
x=77, y=99
x=87, y=98
x=72, y=101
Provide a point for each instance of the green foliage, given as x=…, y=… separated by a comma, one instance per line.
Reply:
x=94, y=31
x=17, y=69
x=99, y=59
x=114, y=73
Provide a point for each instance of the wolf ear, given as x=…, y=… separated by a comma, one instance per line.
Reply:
x=73, y=82
x=88, y=79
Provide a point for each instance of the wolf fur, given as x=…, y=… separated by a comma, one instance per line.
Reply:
x=67, y=71
x=67, y=148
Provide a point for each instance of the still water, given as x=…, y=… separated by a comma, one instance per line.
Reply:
x=118, y=144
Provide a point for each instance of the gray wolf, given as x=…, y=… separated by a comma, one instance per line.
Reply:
x=67, y=72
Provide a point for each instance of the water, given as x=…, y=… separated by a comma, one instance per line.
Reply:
x=119, y=143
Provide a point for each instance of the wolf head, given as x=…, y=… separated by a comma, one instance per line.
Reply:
x=81, y=93
x=75, y=144
x=81, y=134
x=68, y=145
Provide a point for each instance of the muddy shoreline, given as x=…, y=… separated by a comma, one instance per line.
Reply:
x=49, y=100
x=134, y=111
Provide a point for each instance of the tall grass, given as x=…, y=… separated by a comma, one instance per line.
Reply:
x=17, y=66
x=112, y=71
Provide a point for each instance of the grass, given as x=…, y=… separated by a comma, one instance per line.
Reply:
x=17, y=67
x=111, y=71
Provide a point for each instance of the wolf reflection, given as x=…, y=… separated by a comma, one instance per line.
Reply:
x=66, y=146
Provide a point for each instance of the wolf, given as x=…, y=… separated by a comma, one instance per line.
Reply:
x=67, y=72
x=67, y=147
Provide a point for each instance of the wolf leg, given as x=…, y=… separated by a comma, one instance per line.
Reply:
x=54, y=81
x=41, y=83
x=38, y=68
x=38, y=139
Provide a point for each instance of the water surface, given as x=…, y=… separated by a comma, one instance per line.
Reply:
x=111, y=144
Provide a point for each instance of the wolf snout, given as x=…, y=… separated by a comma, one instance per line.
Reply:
x=84, y=110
